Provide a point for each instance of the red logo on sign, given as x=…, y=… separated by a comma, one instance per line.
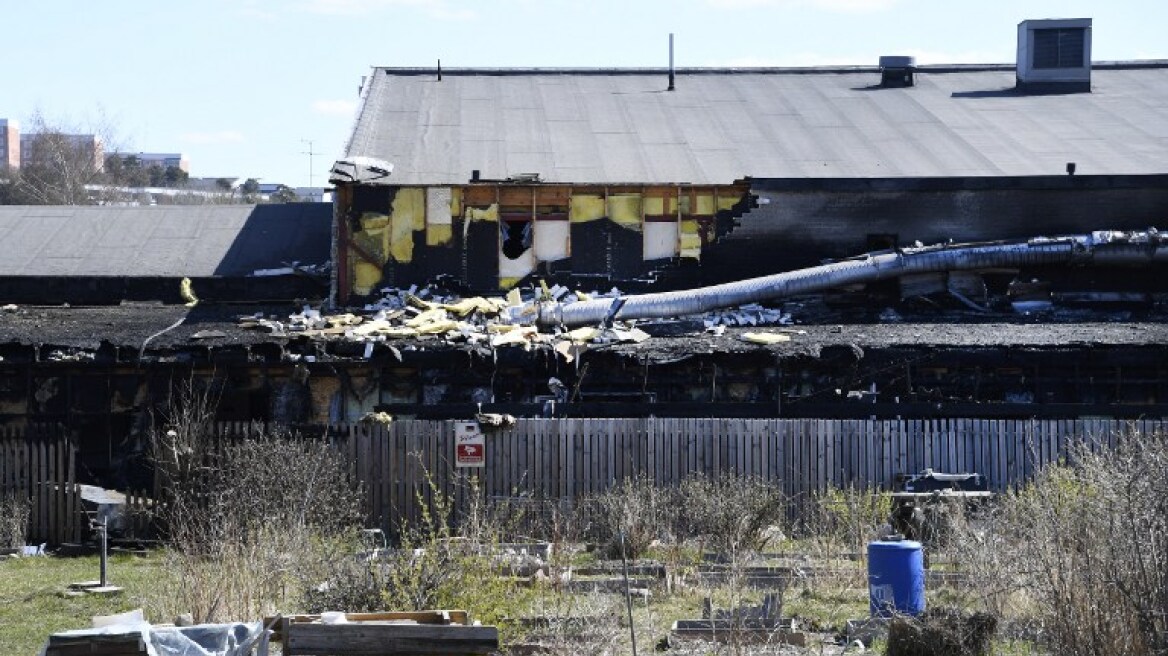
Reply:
x=470, y=453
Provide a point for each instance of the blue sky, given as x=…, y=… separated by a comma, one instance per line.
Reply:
x=240, y=86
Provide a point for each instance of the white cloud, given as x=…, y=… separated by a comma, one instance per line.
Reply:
x=334, y=107
x=837, y=6
x=212, y=137
x=439, y=9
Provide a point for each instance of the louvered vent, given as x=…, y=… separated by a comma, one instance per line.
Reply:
x=1054, y=55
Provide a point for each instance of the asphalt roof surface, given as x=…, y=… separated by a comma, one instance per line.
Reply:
x=207, y=326
x=718, y=126
x=164, y=241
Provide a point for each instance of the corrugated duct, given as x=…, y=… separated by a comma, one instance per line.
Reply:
x=1102, y=247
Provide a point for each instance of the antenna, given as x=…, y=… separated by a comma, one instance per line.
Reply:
x=310, y=153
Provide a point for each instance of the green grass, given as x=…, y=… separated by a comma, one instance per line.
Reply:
x=33, y=604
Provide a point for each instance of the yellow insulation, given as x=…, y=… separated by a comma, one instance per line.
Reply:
x=625, y=210
x=439, y=234
x=366, y=276
x=490, y=213
x=690, y=241
x=585, y=207
x=407, y=216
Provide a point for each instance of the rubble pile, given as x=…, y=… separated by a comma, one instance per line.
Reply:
x=427, y=313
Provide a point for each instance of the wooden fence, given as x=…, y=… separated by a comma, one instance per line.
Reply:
x=39, y=465
x=405, y=461
x=558, y=459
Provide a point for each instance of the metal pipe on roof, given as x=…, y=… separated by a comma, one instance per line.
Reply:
x=671, y=61
x=1103, y=247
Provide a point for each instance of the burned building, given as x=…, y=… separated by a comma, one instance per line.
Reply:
x=554, y=184
x=638, y=180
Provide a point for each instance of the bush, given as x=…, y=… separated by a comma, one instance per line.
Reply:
x=1082, y=552
x=845, y=518
x=732, y=515
x=14, y=512
x=635, y=509
x=941, y=632
x=251, y=523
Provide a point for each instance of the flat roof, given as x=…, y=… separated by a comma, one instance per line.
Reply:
x=617, y=126
x=162, y=241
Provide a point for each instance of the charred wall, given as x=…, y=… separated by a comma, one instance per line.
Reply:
x=802, y=222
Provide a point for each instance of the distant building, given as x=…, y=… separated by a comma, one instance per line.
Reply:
x=314, y=194
x=9, y=144
x=87, y=146
x=164, y=160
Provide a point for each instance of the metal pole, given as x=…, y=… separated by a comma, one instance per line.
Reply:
x=628, y=594
x=104, y=536
x=671, y=61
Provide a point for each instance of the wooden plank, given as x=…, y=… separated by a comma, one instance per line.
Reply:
x=563, y=457
x=42, y=490
x=371, y=639
x=73, y=505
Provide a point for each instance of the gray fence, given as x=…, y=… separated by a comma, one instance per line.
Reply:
x=404, y=461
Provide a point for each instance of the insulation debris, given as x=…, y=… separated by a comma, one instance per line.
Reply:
x=428, y=313
x=765, y=338
x=295, y=268
x=494, y=420
x=751, y=314
x=383, y=418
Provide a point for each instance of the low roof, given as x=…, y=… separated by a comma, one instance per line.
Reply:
x=162, y=241
x=720, y=125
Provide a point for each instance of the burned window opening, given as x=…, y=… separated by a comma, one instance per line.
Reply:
x=882, y=241
x=517, y=238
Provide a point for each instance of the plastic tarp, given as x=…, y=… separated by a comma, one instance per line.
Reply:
x=235, y=639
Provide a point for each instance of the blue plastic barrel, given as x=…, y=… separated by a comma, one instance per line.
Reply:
x=896, y=578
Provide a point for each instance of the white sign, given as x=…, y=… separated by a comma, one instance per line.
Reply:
x=470, y=448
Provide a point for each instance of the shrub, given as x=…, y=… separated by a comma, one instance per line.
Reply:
x=730, y=514
x=1082, y=552
x=941, y=632
x=634, y=509
x=251, y=523
x=14, y=512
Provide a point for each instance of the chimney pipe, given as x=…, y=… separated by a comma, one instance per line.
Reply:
x=671, y=61
x=439, y=70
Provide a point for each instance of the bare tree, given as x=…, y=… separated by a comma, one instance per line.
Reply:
x=61, y=165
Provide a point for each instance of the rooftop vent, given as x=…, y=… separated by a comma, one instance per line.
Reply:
x=897, y=70
x=1054, y=55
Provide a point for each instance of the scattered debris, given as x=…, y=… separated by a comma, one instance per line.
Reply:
x=58, y=355
x=765, y=338
x=383, y=418
x=494, y=420
x=295, y=268
x=187, y=291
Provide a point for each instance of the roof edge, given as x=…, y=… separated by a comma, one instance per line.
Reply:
x=739, y=70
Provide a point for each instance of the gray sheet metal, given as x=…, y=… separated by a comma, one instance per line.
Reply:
x=613, y=126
